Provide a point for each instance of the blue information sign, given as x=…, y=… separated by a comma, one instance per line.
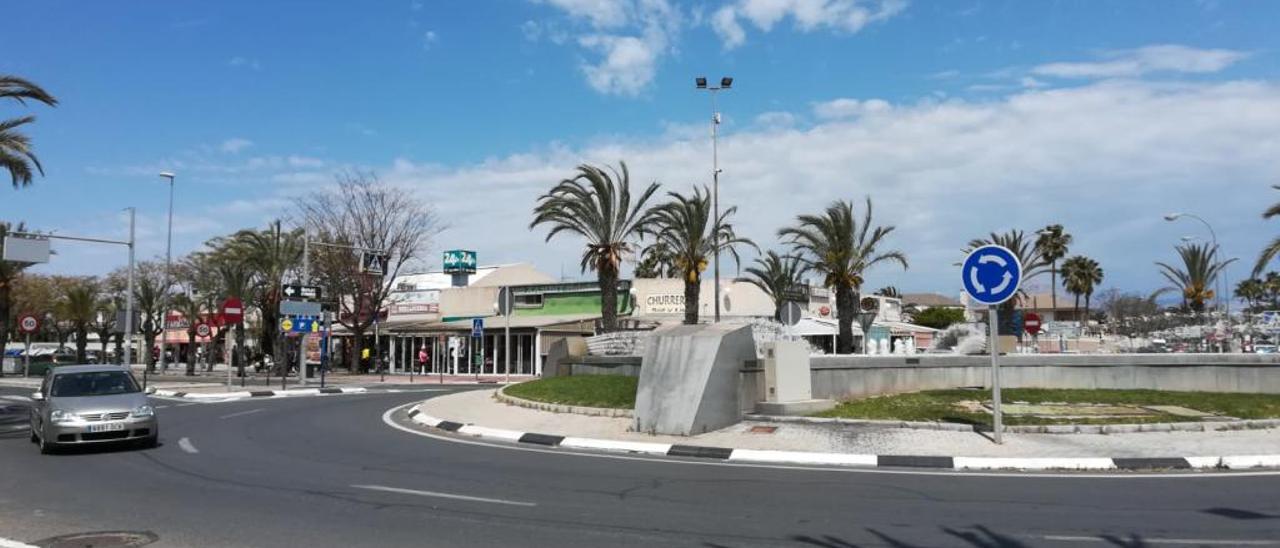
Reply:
x=477, y=328
x=991, y=274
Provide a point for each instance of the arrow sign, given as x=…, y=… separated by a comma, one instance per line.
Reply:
x=300, y=292
x=991, y=274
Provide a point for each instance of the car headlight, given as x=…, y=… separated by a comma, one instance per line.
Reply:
x=144, y=410
x=60, y=416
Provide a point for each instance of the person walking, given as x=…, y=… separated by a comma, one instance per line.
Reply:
x=423, y=359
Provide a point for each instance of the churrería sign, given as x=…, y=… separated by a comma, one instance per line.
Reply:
x=664, y=303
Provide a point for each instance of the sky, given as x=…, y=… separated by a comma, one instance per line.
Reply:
x=956, y=118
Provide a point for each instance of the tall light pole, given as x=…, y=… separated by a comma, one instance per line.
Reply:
x=168, y=263
x=725, y=83
x=1219, y=285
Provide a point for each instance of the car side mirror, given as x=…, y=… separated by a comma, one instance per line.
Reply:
x=37, y=396
x=151, y=390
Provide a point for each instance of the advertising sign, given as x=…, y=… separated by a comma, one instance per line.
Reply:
x=459, y=261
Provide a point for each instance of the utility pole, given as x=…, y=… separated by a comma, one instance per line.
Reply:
x=725, y=83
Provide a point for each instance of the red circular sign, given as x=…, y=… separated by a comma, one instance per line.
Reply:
x=28, y=324
x=232, y=310
x=203, y=330
x=825, y=311
x=1031, y=322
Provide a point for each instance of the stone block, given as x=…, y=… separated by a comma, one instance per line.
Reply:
x=690, y=377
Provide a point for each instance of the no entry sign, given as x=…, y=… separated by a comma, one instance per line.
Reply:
x=232, y=310
x=1031, y=322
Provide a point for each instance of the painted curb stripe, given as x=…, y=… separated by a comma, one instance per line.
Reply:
x=909, y=461
x=473, y=430
x=697, y=451
x=541, y=439
x=801, y=457
x=330, y=390
x=1251, y=461
x=1035, y=463
x=624, y=446
x=413, y=413
x=179, y=394
x=449, y=425
x=1177, y=463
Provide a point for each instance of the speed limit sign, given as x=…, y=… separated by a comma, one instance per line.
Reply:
x=203, y=330
x=28, y=324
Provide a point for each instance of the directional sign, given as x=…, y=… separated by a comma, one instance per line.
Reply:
x=299, y=308
x=373, y=262
x=300, y=325
x=28, y=324
x=991, y=274
x=26, y=250
x=300, y=292
x=477, y=328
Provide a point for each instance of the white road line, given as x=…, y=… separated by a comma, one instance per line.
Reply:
x=443, y=495
x=1179, y=541
x=6, y=543
x=22, y=426
x=19, y=399
x=186, y=404
x=185, y=444
x=241, y=413
x=163, y=406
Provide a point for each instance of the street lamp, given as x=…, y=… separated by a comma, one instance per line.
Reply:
x=725, y=83
x=1225, y=302
x=168, y=263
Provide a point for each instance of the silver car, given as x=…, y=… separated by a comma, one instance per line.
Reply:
x=90, y=404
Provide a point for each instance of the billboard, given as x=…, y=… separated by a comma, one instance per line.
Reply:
x=459, y=261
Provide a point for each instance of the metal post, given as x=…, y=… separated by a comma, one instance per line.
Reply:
x=128, y=300
x=715, y=195
x=326, y=349
x=168, y=264
x=994, y=343
x=26, y=359
x=377, y=352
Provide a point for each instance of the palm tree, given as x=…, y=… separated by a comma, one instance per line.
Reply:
x=192, y=310
x=1252, y=291
x=15, y=147
x=889, y=291
x=1081, y=276
x=776, y=275
x=237, y=281
x=596, y=204
x=1052, y=243
x=1194, y=279
x=80, y=307
x=684, y=225
x=842, y=249
x=1272, y=249
x=655, y=262
x=273, y=253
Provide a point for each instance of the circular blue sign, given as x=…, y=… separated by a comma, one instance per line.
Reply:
x=991, y=274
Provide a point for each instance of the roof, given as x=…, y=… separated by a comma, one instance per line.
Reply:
x=930, y=300
x=1044, y=301
x=497, y=322
x=88, y=368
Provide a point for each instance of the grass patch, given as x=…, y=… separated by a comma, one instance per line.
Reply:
x=612, y=391
x=939, y=405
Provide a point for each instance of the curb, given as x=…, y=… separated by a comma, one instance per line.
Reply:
x=756, y=456
x=257, y=393
x=502, y=396
x=1204, y=426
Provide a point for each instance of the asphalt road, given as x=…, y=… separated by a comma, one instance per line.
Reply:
x=326, y=471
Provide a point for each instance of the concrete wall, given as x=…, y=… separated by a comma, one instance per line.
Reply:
x=690, y=381
x=626, y=366
x=847, y=377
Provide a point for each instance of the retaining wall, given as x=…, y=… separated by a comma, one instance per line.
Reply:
x=846, y=377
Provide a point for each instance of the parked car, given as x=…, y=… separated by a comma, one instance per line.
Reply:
x=91, y=404
x=1264, y=349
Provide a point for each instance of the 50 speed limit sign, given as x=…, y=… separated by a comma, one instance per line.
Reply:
x=28, y=324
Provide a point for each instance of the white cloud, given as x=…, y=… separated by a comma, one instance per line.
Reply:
x=847, y=16
x=429, y=39
x=235, y=145
x=776, y=120
x=244, y=62
x=848, y=108
x=1145, y=60
x=628, y=38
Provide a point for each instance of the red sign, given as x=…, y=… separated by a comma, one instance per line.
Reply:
x=28, y=324
x=232, y=310
x=1031, y=322
x=203, y=330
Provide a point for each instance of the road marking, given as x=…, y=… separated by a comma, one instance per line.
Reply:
x=22, y=426
x=186, y=404
x=19, y=399
x=241, y=413
x=6, y=543
x=163, y=406
x=185, y=444
x=386, y=419
x=1179, y=541
x=443, y=495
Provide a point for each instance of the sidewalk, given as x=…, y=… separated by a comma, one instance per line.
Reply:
x=479, y=408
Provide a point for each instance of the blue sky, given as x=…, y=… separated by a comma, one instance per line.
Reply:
x=957, y=118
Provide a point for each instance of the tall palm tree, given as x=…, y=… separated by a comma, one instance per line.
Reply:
x=684, y=225
x=1252, y=291
x=80, y=307
x=1053, y=243
x=1081, y=276
x=237, y=281
x=838, y=246
x=776, y=275
x=273, y=253
x=192, y=310
x=1195, y=278
x=597, y=205
x=889, y=291
x=9, y=272
x=655, y=262
x=15, y=147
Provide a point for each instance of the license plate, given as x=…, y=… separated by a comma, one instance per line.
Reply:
x=106, y=427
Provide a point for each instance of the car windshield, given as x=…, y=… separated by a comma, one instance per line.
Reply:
x=98, y=383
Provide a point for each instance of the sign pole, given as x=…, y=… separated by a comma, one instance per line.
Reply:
x=994, y=343
x=26, y=358
x=128, y=306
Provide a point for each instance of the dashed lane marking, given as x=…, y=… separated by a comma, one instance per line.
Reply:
x=443, y=495
x=185, y=445
x=241, y=413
